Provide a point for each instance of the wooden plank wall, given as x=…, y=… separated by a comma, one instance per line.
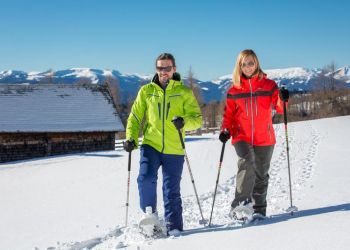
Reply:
x=20, y=146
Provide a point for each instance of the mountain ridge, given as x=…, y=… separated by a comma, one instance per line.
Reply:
x=294, y=78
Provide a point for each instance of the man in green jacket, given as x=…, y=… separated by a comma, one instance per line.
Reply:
x=166, y=105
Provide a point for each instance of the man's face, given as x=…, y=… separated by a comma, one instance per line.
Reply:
x=165, y=70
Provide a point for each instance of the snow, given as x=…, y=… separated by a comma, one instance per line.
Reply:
x=56, y=108
x=84, y=72
x=343, y=74
x=108, y=73
x=78, y=201
x=5, y=73
x=296, y=72
x=30, y=73
x=32, y=77
x=139, y=75
x=222, y=78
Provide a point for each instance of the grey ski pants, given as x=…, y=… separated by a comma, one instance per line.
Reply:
x=252, y=176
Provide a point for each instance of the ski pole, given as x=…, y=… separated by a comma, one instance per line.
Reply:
x=291, y=208
x=203, y=221
x=128, y=189
x=217, y=180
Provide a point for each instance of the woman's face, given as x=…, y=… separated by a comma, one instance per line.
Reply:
x=248, y=66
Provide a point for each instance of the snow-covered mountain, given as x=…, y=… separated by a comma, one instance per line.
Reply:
x=129, y=83
x=296, y=79
x=343, y=74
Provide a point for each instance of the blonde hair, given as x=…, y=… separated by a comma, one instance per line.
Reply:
x=237, y=71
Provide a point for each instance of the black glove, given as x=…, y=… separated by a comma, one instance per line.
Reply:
x=224, y=136
x=129, y=145
x=178, y=121
x=284, y=94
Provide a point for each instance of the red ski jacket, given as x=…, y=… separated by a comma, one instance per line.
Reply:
x=248, y=111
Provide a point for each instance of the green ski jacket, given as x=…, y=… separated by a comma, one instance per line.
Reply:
x=158, y=107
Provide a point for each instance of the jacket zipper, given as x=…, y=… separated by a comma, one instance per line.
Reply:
x=251, y=110
x=163, y=132
x=246, y=107
x=256, y=105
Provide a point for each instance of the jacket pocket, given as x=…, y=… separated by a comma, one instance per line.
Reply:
x=167, y=110
x=159, y=111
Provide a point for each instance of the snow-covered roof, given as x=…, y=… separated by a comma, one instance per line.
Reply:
x=57, y=108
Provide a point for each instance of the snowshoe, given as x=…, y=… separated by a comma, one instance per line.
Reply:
x=258, y=217
x=243, y=213
x=174, y=233
x=150, y=225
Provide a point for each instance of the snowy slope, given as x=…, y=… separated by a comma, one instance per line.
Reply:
x=77, y=201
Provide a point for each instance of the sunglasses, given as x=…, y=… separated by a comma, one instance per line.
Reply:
x=166, y=69
x=250, y=64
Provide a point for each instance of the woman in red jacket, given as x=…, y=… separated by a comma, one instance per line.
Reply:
x=248, y=120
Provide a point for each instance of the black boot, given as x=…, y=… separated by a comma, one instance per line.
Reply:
x=260, y=210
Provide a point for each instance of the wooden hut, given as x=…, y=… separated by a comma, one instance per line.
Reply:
x=41, y=120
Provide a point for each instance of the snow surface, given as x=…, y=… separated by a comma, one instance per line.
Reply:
x=78, y=201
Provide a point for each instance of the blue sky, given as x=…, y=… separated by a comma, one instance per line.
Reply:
x=127, y=35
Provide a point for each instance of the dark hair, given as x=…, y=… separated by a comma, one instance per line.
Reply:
x=166, y=56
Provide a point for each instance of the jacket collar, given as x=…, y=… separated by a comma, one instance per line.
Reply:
x=254, y=81
x=176, y=80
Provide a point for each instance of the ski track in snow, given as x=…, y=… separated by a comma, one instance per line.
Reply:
x=301, y=155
